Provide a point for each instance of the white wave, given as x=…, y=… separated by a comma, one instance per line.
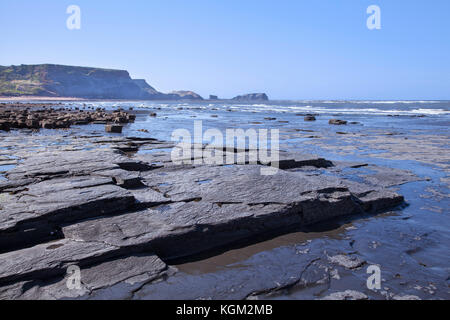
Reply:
x=395, y=102
x=322, y=110
x=430, y=111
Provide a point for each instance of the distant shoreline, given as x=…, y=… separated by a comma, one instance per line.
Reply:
x=65, y=99
x=62, y=99
x=37, y=98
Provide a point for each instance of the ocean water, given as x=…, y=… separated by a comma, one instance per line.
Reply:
x=421, y=115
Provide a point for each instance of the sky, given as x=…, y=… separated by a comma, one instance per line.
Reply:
x=290, y=49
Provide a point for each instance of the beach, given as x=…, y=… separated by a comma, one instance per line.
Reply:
x=370, y=191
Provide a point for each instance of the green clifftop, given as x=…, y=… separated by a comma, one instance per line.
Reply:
x=78, y=82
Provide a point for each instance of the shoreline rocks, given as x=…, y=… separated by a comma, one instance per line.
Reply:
x=113, y=128
x=337, y=122
x=27, y=116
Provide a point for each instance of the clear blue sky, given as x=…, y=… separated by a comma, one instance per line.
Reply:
x=291, y=49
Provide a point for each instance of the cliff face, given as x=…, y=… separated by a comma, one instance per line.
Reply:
x=141, y=83
x=79, y=82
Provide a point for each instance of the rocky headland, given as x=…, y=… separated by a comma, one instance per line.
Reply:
x=252, y=97
x=49, y=80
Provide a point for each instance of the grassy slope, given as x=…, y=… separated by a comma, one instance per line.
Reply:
x=25, y=80
x=22, y=80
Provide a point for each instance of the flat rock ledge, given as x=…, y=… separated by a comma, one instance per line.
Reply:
x=28, y=116
x=122, y=218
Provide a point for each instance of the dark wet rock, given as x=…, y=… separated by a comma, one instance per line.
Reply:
x=307, y=114
x=5, y=125
x=368, y=197
x=311, y=273
x=215, y=206
x=29, y=116
x=47, y=190
x=32, y=215
x=385, y=177
x=296, y=160
x=337, y=122
x=128, y=270
x=49, y=165
x=127, y=148
x=138, y=166
x=113, y=128
x=358, y=165
x=122, y=178
x=49, y=259
x=40, y=272
x=310, y=118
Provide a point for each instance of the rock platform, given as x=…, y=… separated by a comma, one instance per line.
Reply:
x=121, y=211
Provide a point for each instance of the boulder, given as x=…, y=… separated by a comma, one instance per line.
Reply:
x=113, y=128
x=337, y=122
x=5, y=125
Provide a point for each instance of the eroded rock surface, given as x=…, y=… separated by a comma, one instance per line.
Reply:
x=115, y=214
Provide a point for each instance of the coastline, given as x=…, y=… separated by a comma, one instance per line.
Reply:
x=378, y=152
x=38, y=98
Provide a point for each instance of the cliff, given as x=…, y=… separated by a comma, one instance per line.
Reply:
x=78, y=82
